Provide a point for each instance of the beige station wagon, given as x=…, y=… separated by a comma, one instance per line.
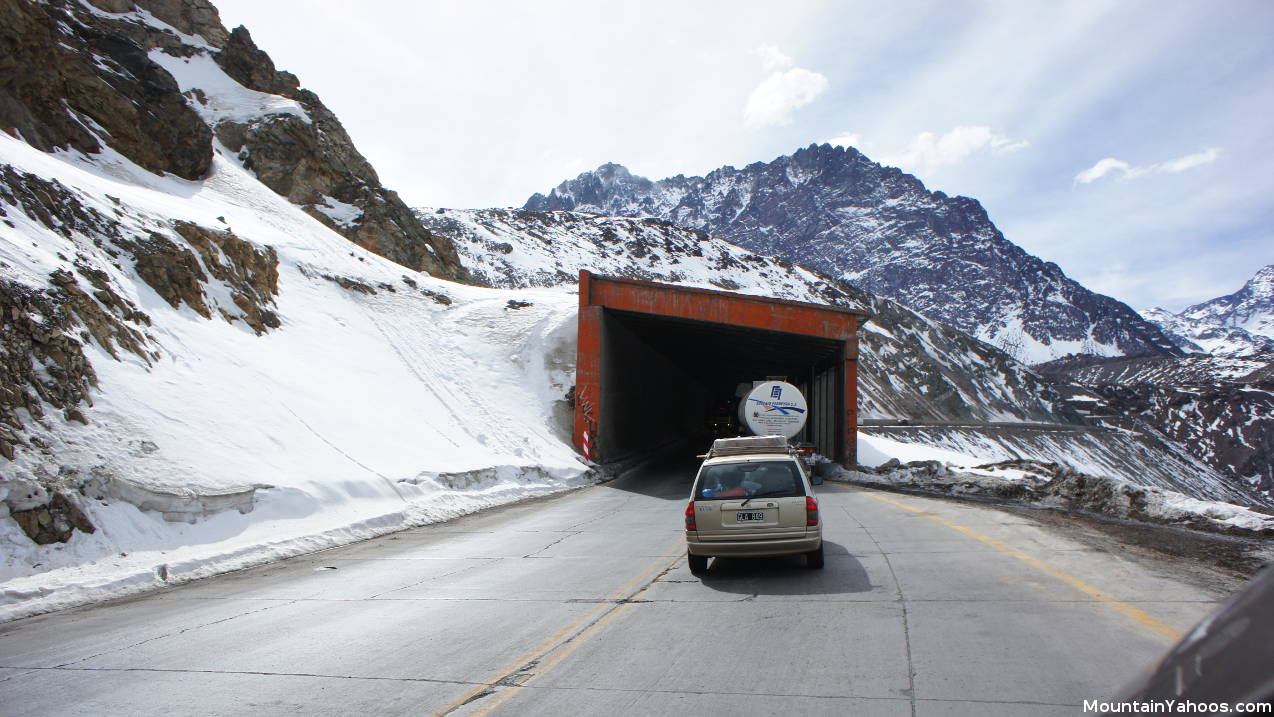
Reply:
x=752, y=498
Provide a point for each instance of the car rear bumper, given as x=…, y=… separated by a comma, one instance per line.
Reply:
x=753, y=548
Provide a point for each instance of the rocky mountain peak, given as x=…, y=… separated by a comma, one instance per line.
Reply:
x=833, y=209
x=1238, y=324
x=1251, y=307
x=251, y=67
x=191, y=17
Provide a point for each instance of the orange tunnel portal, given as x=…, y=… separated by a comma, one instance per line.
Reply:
x=658, y=364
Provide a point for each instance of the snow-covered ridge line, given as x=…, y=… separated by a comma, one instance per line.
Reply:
x=834, y=210
x=909, y=366
x=1236, y=325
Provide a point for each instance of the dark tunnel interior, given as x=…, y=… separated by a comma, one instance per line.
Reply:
x=667, y=381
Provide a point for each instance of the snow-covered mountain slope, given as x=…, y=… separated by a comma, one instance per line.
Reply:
x=205, y=352
x=1238, y=324
x=833, y=210
x=909, y=366
x=156, y=81
x=1221, y=409
x=200, y=368
x=1139, y=457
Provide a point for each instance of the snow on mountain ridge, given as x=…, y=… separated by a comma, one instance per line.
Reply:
x=908, y=366
x=1251, y=308
x=834, y=210
x=1238, y=324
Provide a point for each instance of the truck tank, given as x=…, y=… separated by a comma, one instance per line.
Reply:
x=771, y=408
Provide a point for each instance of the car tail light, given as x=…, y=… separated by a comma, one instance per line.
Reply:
x=811, y=511
x=690, y=516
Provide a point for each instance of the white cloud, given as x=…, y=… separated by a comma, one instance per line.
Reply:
x=849, y=139
x=772, y=58
x=927, y=151
x=1101, y=169
x=1190, y=161
x=784, y=90
x=1173, y=166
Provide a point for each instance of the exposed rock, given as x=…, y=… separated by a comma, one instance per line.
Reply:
x=834, y=210
x=311, y=161
x=42, y=361
x=437, y=297
x=193, y=17
x=252, y=273
x=177, y=274
x=106, y=325
x=346, y=282
x=35, y=339
x=52, y=204
x=54, y=522
x=68, y=80
x=71, y=78
x=1219, y=409
x=249, y=66
x=1234, y=325
x=171, y=270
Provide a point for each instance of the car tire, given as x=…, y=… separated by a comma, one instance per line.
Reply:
x=698, y=563
x=814, y=558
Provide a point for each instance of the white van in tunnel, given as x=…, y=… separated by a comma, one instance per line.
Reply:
x=752, y=498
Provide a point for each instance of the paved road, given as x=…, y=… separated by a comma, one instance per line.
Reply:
x=582, y=604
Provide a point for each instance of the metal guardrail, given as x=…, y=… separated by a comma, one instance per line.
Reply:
x=904, y=424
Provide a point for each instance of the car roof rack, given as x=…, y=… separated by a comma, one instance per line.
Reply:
x=748, y=445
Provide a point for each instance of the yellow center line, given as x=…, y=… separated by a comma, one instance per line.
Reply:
x=552, y=642
x=561, y=652
x=1142, y=617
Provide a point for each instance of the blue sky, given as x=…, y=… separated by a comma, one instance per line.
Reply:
x=1130, y=142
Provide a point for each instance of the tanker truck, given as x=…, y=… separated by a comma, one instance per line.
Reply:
x=766, y=408
x=770, y=408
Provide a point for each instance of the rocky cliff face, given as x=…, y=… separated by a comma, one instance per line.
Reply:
x=112, y=111
x=1220, y=409
x=833, y=209
x=1238, y=324
x=137, y=78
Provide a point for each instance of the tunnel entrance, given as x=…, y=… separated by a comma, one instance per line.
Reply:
x=659, y=364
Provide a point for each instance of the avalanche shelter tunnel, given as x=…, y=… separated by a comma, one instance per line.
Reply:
x=659, y=364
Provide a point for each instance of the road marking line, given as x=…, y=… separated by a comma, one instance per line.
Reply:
x=553, y=642
x=561, y=652
x=1142, y=617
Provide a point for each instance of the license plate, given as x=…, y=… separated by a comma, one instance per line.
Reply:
x=749, y=516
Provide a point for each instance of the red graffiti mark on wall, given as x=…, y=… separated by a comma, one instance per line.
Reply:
x=584, y=400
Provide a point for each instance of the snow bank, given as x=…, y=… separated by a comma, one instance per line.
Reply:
x=1055, y=486
x=352, y=419
x=1107, y=452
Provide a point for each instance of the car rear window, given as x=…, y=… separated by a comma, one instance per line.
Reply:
x=771, y=479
